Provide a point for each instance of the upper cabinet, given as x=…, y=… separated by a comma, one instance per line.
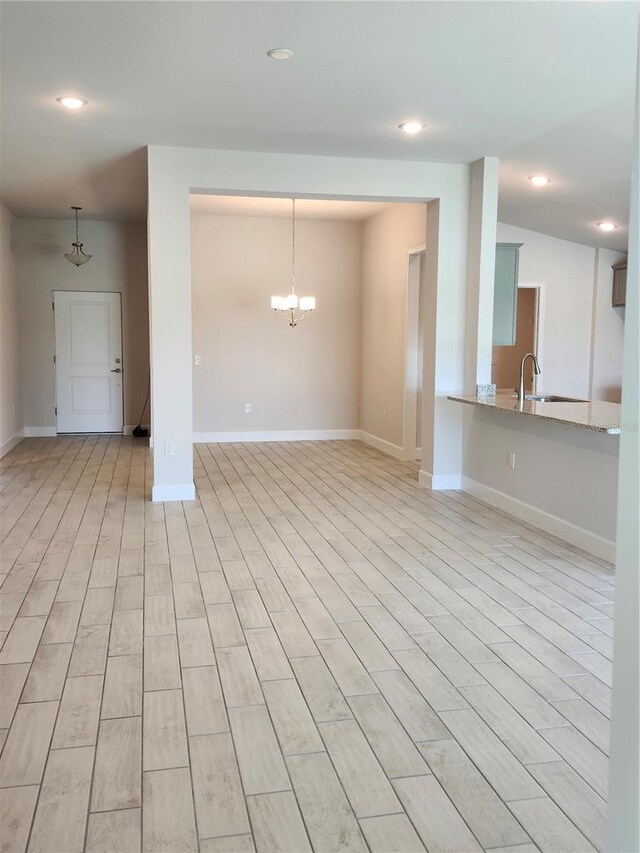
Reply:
x=619, y=295
x=505, y=294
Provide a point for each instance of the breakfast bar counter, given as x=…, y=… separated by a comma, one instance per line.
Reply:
x=596, y=416
x=554, y=464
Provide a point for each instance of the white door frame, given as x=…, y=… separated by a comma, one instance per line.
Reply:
x=538, y=329
x=55, y=346
x=412, y=328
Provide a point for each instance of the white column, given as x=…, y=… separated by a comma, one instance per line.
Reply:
x=623, y=835
x=481, y=263
x=459, y=326
x=444, y=343
x=170, y=336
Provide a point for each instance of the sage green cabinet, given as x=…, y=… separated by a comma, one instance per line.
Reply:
x=619, y=295
x=505, y=294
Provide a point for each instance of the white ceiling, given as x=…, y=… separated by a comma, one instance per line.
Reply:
x=546, y=86
x=306, y=208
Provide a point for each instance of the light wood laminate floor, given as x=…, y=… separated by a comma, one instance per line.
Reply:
x=316, y=654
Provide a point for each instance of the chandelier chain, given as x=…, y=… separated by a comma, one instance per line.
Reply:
x=293, y=248
x=290, y=308
x=77, y=256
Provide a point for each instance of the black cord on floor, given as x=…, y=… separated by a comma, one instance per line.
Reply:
x=139, y=431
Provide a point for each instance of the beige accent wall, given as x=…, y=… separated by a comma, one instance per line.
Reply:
x=386, y=240
x=10, y=387
x=307, y=378
x=119, y=263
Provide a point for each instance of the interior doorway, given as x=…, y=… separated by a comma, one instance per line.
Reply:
x=505, y=361
x=88, y=361
x=414, y=355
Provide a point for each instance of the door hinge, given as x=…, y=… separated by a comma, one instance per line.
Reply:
x=56, y=410
x=54, y=359
x=53, y=306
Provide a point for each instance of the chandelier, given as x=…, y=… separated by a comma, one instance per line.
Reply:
x=76, y=255
x=291, y=307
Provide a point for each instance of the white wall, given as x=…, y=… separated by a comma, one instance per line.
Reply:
x=307, y=378
x=118, y=264
x=386, y=239
x=582, y=334
x=567, y=273
x=623, y=815
x=607, y=332
x=11, y=422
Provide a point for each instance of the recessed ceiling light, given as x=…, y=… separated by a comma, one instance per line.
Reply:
x=539, y=180
x=280, y=53
x=72, y=103
x=607, y=226
x=411, y=127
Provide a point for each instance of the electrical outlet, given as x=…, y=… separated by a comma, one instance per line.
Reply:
x=384, y=414
x=511, y=459
x=247, y=408
x=197, y=360
x=169, y=448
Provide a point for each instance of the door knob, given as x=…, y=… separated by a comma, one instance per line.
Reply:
x=116, y=370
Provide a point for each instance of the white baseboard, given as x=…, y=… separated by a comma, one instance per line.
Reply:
x=11, y=442
x=380, y=444
x=300, y=435
x=180, y=492
x=276, y=435
x=439, y=482
x=594, y=544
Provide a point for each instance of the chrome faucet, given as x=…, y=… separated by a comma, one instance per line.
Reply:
x=536, y=370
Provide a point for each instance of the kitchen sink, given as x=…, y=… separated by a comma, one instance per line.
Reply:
x=551, y=398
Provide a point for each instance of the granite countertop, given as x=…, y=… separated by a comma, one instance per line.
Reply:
x=596, y=416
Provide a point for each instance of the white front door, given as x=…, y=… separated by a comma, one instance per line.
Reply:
x=88, y=358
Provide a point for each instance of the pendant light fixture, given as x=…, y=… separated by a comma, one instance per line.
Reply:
x=76, y=255
x=291, y=308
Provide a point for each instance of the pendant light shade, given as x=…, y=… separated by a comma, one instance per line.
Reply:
x=76, y=256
